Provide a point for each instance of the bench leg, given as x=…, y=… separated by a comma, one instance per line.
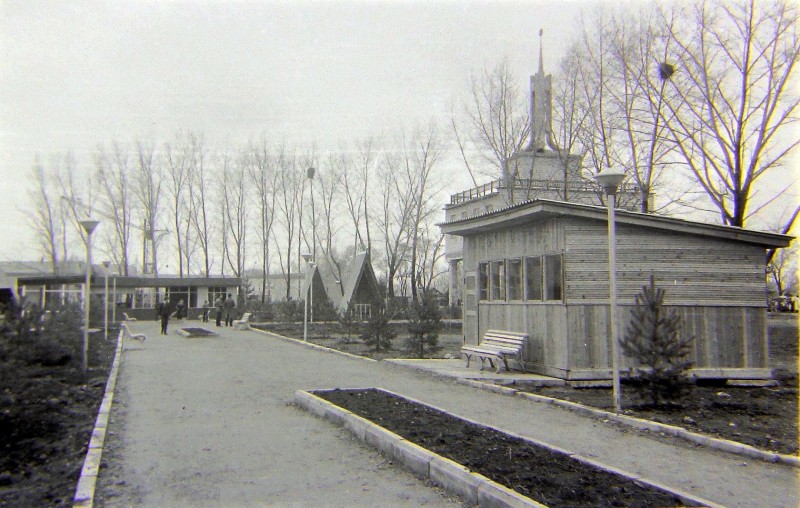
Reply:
x=466, y=357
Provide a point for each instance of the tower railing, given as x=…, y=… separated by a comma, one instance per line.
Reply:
x=522, y=184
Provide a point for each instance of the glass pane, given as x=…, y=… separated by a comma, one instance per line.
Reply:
x=497, y=275
x=483, y=281
x=533, y=278
x=515, y=279
x=553, y=277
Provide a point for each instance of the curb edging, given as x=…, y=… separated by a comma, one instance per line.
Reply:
x=84, y=492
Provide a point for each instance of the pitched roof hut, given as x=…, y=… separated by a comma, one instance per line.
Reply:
x=541, y=267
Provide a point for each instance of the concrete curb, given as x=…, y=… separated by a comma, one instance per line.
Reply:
x=455, y=478
x=84, y=492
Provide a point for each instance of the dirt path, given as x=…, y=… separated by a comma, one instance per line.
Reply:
x=202, y=422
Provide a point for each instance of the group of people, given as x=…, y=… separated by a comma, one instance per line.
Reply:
x=225, y=307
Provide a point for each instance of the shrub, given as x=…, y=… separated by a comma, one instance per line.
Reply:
x=425, y=321
x=348, y=325
x=378, y=333
x=652, y=338
x=323, y=309
x=290, y=310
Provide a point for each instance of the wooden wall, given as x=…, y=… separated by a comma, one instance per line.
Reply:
x=693, y=270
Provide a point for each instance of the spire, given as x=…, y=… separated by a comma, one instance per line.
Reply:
x=541, y=59
x=541, y=114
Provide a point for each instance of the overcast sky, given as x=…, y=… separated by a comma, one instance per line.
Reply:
x=77, y=74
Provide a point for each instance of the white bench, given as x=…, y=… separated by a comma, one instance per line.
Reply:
x=498, y=346
x=243, y=323
x=128, y=318
x=128, y=333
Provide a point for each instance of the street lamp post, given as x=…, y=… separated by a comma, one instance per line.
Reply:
x=610, y=181
x=114, y=305
x=310, y=175
x=307, y=258
x=89, y=226
x=106, y=264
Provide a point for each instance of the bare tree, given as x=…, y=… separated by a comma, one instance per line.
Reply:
x=148, y=192
x=177, y=162
x=638, y=77
x=393, y=219
x=113, y=170
x=597, y=87
x=498, y=122
x=46, y=217
x=234, y=205
x=77, y=196
x=411, y=202
x=735, y=97
x=782, y=270
x=200, y=200
x=263, y=174
x=570, y=114
x=288, y=205
x=329, y=199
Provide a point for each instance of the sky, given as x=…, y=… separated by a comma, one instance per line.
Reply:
x=76, y=75
x=82, y=74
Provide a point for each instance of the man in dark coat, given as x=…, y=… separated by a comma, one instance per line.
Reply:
x=230, y=304
x=219, y=304
x=166, y=310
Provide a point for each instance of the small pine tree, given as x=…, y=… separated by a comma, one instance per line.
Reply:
x=378, y=333
x=652, y=338
x=425, y=321
x=348, y=325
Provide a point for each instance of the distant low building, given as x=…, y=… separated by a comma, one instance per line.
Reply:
x=137, y=296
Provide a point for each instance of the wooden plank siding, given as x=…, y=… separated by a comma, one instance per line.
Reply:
x=693, y=270
x=725, y=337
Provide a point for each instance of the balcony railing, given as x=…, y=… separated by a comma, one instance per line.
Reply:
x=521, y=184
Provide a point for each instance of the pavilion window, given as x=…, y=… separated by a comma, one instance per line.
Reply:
x=554, y=277
x=483, y=281
x=497, y=275
x=514, y=278
x=533, y=279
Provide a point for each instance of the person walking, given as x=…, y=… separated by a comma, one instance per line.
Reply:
x=180, y=310
x=229, y=306
x=166, y=310
x=205, y=311
x=219, y=304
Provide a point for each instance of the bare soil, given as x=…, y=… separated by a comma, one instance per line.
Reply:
x=551, y=478
x=47, y=414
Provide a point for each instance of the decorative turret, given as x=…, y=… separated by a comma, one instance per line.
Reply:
x=541, y=107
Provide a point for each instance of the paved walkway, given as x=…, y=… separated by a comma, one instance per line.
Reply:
x=209, y=422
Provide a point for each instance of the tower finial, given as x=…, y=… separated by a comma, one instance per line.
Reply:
x=541, y=60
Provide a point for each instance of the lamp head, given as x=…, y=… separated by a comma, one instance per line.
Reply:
x=310, y=172
x=610, y=180
x=306, y=257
